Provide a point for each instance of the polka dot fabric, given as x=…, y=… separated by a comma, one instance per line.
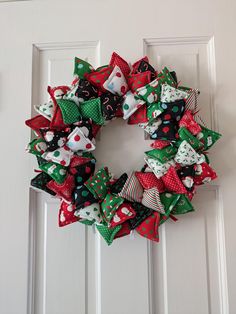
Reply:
x=139, y=201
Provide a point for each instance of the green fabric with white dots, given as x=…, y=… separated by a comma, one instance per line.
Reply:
x=81, y=67
x=56, y=171
x=70, y=111
x=108, y=233
x=92, y=109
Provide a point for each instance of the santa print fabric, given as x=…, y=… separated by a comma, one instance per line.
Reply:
x=64, y=144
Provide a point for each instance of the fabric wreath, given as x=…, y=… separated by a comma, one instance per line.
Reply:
x=65, y=131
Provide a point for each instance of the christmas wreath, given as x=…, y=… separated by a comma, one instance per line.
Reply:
x=66, y=127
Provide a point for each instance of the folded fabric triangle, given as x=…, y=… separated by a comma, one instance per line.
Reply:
x=182, y=206
x=54, y=138
x=116, y=60
x=172, y=182
x=184, y=134
x=91, y=212
x=37, y=147
x=109, y=206
x=142, y=212
x=149, y=227
x=204, y=174
x=99, y=184
x=40, y=182
x=124, y=231
x=138, y=80
x=159, y=144
x=187, y=121
x=208, y=137
x=148, y=180
x=124, y=212
x=158, y=168
x=56, y=171
x=186, y=155
x=82, y=197
x=139, y=116
x=81, y=67
x=110, y=104
x=151, y=126
x=97, y=78
x=162, y=155
x=132, y=189
x=169, y=200
x=83, y=172
x=60, y=156
x=66, y=214
x=92, y=109
x=151, y=199
x=130, y=105
x=116, y=82
x=46, y=110
x=144, y=66
x=78, y=142
x=37, y=123
x=108, y=233
x=149, y=93
x=171, y=94
x=118, y=185
x=65, y=189
x=70, y=111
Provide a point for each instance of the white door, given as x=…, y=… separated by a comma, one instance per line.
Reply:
x=49, y=270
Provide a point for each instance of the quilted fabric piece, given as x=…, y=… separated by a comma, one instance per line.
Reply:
x=139, y=116
x=92, y=109
x=36, y=147
x=145, y=66
x=116, y=60
x=149, y=227
x=117, y=186
x=40, y=182
x=54, y=139
x=132, y=190
x=66, y=214
x=138, y=80
x=186, y=155
x=55, y=171
x=81, y=67
x=85, y=91
x=165, y=77
x=187, y=121
x=46, y=110
x=98, y=77
x=151, y=199
x=109, y=206
x=184, y=134
x=86, y=127
x=57, y=120
x=208, y=137
x=149, y=93
x=59, y=92
x=130, y=105
x=71, y=94
x=60, y=156
x=171, y=94
x=116, y=82
x=148, y=180
x=172, y=182
x=70, y=111
x=192, y=100
x=108, y=233
x=110, y=105
x=82, y=197
x=65, y=189
x=122, y=214
x=142, y=212
x=137, y=63
x=163, y=155
x=158, y=168
x=99, y=183
x=204, y=174
x=78, y=142
x=91, y=212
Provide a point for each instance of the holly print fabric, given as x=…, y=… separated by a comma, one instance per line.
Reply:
x=64, y=143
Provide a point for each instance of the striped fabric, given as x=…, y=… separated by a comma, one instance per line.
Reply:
x=132, y=190
x=151, y=199
x=192, y=100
